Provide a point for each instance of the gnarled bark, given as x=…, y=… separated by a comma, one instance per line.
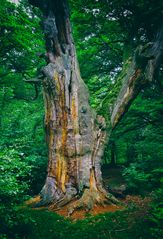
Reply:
x=74, y=134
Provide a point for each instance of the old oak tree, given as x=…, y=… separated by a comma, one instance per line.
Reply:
x=75, y=134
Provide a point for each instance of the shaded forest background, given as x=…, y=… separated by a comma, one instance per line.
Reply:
x=106, y=36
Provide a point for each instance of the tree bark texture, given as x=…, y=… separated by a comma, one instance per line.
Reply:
x=74, y=134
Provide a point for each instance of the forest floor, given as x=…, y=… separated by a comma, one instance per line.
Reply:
x=109, y=222
x=136, y=201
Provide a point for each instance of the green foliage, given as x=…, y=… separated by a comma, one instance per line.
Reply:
x=25, y=134
x=139, y=142
x=20, y=176
x=119, y=225
x=137, y=180
x=21, y=118
x=23, y=155
x=14, y=183
x=18, y=46
x=156, y=214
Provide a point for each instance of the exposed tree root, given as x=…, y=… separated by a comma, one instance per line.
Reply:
x=33, y=201
x=61, y=203
x=92, y=198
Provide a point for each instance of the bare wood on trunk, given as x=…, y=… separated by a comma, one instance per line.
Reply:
x=74, y=134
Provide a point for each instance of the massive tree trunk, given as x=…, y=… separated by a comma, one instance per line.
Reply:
x=74, y=134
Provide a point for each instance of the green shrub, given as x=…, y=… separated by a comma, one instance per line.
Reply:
x=13, y=186
x=136, y=178
x=156, y=219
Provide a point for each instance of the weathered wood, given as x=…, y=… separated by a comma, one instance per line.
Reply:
x=143, y=68
x=74, y=134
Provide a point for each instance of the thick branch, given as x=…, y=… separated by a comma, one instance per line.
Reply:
x=144, y=68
